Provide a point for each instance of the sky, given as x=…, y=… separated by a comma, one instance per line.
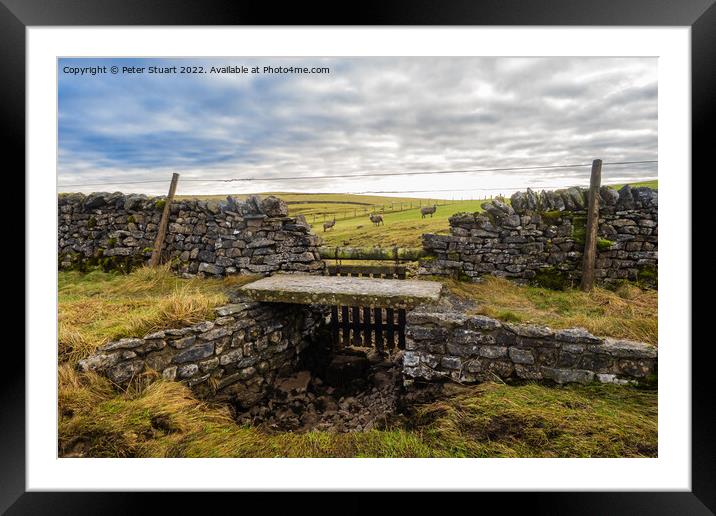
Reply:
x=367, y=115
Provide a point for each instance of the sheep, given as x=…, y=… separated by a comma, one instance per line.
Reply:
x=376, y=219
x=428, y=210
x=329, y=225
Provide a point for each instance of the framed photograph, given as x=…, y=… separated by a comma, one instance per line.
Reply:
x=410, y=251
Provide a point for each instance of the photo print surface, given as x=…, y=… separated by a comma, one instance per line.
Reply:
x=357, y=257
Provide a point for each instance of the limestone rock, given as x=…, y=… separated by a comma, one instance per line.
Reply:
x=122, y=344
x=125, y=371
x=274, y=207
x=295, y=384
x=577, y=335
x=608, y=196
x=626, y=199
x=95, y=200
x=568, y=375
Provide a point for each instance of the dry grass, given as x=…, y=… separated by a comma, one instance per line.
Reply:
x=629, y=312
x=531, y=420
x=97, y=307
x=154, y=418
x=164, y=419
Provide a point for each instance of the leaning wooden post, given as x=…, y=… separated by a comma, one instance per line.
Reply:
x=590, y=239
x=162, y=230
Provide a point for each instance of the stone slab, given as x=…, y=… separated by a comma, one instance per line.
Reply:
x=342, y=290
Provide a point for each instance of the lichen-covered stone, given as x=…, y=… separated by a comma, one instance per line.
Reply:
x=568, y=375
x=443, y=345
x=530, y=330
x=186, y=370
x=183, y=343
x=521, y=356
x=99, y=361
x=125, y=371
x=266, y=339
x=117, y=231
x=540, y=239
x=194, y=353
x=577, y=336
x=122, y=344
x=492, y=351
x=342, y=290
x=231, y=309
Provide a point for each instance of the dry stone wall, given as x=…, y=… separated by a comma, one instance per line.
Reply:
x=237, y=355
x=541, y=236
x=113, y=230
x=448, y=344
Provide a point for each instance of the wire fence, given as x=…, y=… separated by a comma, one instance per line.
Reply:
x=393, y=206
x=381, y=209
x=364, y=175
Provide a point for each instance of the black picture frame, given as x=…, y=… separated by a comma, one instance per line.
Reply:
x=700, y=15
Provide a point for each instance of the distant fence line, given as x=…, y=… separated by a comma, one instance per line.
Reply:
x=394, y=207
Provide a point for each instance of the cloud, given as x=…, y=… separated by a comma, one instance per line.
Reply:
x=368, y=115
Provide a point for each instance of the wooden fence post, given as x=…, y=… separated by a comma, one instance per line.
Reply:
x=590, y=239
x=162, y=230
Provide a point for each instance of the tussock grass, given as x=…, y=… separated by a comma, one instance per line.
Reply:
x=155, y=418
x=164, y=419
x=628, y=312
x=98, y=307
x=532, y=420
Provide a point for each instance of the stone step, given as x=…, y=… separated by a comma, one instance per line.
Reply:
x=342, y=290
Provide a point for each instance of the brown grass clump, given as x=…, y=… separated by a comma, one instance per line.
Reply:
x=629, y=312
x=165, y=419
x=156, y=418
x=98, y=307
x=531, y=420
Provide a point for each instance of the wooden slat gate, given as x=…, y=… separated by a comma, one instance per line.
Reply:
x=363, y=326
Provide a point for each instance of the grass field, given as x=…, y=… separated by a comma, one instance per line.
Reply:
x=403, y=225
x=403, y=229
x=342, y=205
x=651, y=184
x=154, y=418
x=627, y=312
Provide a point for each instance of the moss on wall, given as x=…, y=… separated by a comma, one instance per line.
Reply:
x=552, y=278
x=461, y=276
x=604, y=244
x=579, y=233
x=648, y=276
x=81, y=263
x=552, y=218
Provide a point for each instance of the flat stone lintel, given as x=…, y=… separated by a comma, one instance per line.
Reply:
x=341, y=290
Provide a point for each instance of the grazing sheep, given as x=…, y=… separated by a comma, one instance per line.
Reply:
x=428, y=210
x=329, y=225
x=376, y=219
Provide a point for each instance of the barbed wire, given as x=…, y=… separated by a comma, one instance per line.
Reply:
x=358, y=176
x=483, y=189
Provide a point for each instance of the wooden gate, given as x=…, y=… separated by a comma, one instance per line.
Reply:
x=363, y=326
